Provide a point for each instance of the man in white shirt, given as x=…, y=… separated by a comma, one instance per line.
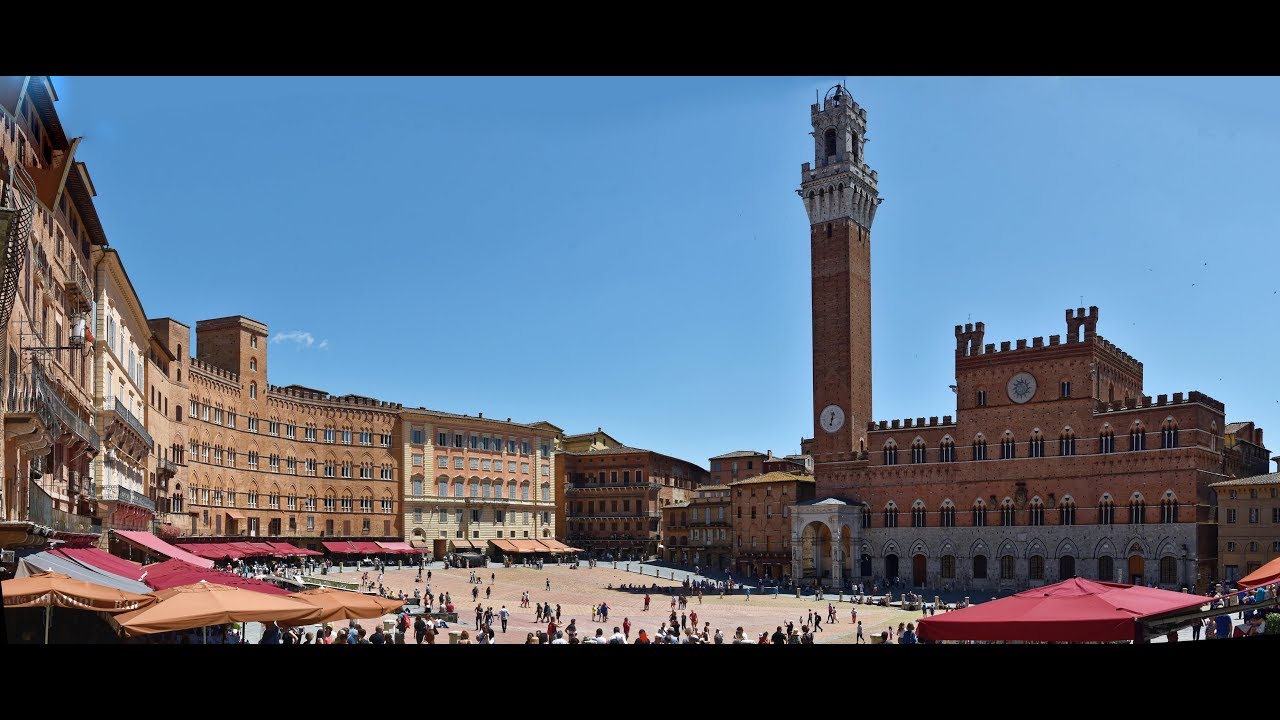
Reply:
x=559, y=638
x=618, y=638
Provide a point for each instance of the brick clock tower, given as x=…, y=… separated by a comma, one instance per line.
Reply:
x=840, y=195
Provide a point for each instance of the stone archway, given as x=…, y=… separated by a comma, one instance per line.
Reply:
x=816, y=557
x=891, y=566
x=846, y=553
x=919, y=570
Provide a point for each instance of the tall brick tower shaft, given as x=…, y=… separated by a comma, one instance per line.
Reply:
x=840, y=195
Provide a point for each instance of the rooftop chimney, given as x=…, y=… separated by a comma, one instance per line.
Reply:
x=770, y=453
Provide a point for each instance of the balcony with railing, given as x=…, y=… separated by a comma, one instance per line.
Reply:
x=125, y=495
x=588, y=485
x=77, y=285
x=166, y=467
x=122, y=414
x=42, y=512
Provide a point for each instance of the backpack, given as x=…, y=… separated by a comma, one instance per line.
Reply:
x=806, y=639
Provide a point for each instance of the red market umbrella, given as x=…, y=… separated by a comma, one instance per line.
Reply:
x=50, y=588
x=1075, y=610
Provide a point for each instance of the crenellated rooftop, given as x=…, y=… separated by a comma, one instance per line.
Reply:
x=214, y=370
x=909, y=423
x=295, y=392
x=1102, y=407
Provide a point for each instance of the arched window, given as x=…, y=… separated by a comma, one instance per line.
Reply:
x=1168, y=570
x=891, y=516
x=829, y=142
x=524, y=490
x=253, y=363
x=1169, y=435
x=1137, y=438
x=1036, y=512
x=1169, y=510
x=1008, y=449
x=417, y=486
x=1037, y=444
x=457, y=487
x=1106, y=511
x=1066, y=567
x=1036, y=567
x=546, y=492
x=474, y=486
x=1067, y=511
x=918, y=514
x=890, y=453
x=918, y=450
x=1007, y=518
x=947, y=450
x=979, y=567
x=948, y=567
x=1106, y=569
x=1107, y=441
x=253, y=390
x=1006, y=567
x=979, y=514
x=1067, y=443
x=866, y=517
x=979, y=448
x=948, y=514
x=1137, y=511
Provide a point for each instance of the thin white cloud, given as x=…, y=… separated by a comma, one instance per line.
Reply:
x=300, y=338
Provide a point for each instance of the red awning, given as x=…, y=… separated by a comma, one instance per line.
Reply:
x=172, y=573
x=286, y=549
x=340, y=547
x=1075, y=610
x=102, y=560
x=462, y=544
x=234, y=515
x=529, y=546
x=154, y=545
x=367, y=547
x=1264, y=575
x=555, y=546
x=397, y=546
x=254, y=549
x=213, y=551
x=505, y=546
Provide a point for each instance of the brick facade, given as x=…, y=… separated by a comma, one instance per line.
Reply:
x=1055, y=462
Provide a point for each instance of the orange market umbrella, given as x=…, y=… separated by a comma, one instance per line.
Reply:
x=202, y=604
x=50, y=588
x=347, y=605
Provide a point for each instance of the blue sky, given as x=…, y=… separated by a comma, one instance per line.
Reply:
x=630, y=252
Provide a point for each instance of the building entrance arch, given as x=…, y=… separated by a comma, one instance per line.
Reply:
x=816, y=549
x=919, y=570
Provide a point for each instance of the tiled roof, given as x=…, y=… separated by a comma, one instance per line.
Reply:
x=681, y=504
x=713, y=487
x=1235, y=426
x=610, y=451
x=1270, y=479
x=443, y=414
x=737, y=454
x=828, y=501
x=774, y=477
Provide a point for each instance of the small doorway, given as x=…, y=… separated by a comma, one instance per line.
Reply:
x=865, y=570
x=919, y=571
x=1136, y=568
x=890, y=567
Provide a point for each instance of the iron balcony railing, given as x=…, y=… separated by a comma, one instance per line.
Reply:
x=134, y=423
x=70, y=421
x=33, y=399
x=166, y=466
x=78, y=283
x=123, y=494
x=585, y=485
x=39, y=398
x=42, y=512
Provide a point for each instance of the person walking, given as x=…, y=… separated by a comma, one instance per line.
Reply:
x=693, y=618
x=487, y=591
x=626, y=628
x=548, y=584
x=646, y=602
x=1195, y=629
x=420, y=629
x=557, y=612
x=859, y=638
x=817, y=622
x=853, y=615
x=504, y=615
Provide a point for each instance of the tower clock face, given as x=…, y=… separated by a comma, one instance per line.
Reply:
x=1022, y=387
x=832, y=418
